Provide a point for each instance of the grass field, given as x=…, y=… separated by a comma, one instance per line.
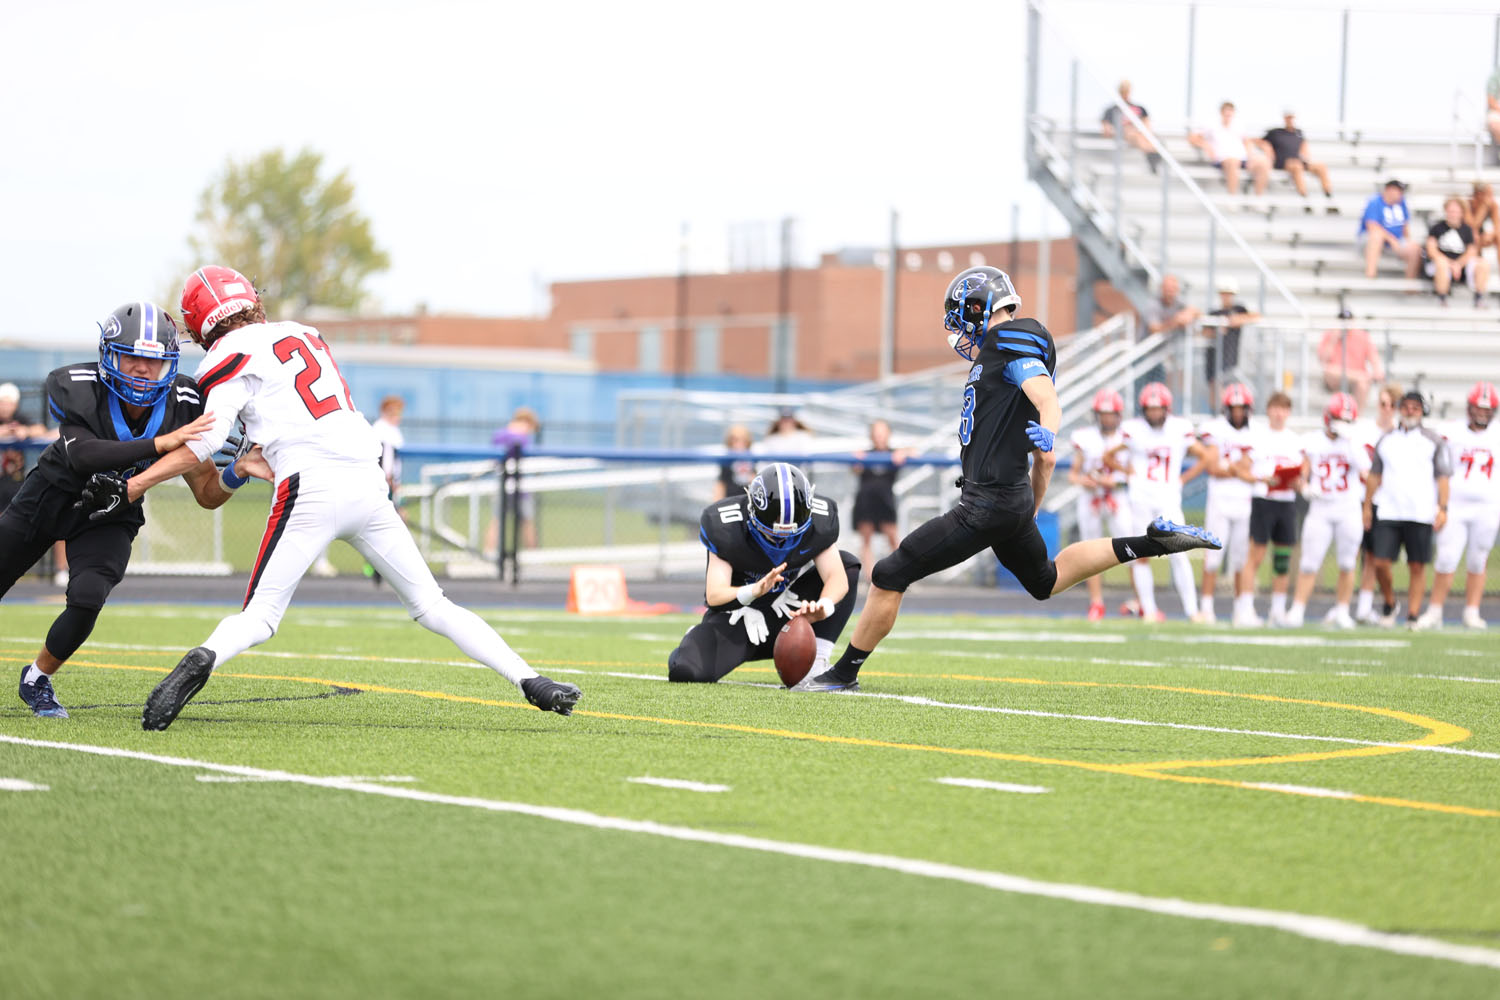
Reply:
x=352, y=810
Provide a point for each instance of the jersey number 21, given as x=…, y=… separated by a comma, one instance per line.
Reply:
x=312, y=369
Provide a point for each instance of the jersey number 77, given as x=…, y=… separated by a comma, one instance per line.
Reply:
x=309, y=346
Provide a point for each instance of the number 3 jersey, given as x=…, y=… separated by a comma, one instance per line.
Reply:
x=281, y=380
x=1335, y=482
x=1155, y=461
x=725, y=531
x=1473, y=482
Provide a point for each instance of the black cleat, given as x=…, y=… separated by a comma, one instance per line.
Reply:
x=1181, y=537
x=551, y=696
x=178, y=688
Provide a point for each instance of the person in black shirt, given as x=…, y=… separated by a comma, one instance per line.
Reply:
x=116, y=416
x=1450, y=254
x=1007, y=427
x=1288, y=149
x=735, y=476
x=773, y=537
x=875, y=499
x=1223, y=325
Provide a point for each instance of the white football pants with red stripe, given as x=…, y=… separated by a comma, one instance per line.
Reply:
x=350, y=502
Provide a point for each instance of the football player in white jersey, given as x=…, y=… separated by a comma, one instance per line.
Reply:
x=1099, y=499
x=1229, y=442
x=1277, y=469
x=1473, y=508
x=1333, y=468
x=1151, y=451
x=322, y=455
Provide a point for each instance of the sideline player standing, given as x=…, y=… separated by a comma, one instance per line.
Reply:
x=1334, y=466
x=280, y=379
x=115, y=416
x=1010, y=411
x=1155, y=444
x=1273, y=513
x=1474, y=509
x=1098, y=499
x=1409, y=471
x=761, y=543
x=1229, y=440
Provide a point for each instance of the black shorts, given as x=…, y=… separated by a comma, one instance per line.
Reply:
x=1000, y=520
x=877, y=507
x=41, y=514
x=1282, y=161
x=1230, y=339
x=714, y=647
x=1273, y=521
x=1390, y=537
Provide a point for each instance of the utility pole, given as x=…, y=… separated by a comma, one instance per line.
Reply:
x=679, y=354
x=783, y=352
x=888, y=311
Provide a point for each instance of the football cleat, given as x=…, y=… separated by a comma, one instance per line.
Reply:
x=1246, y=619
x=1130, y=608
x=550, y=695
x=829, y=681
x=1181, y=537
x=1096, y=611
x=1471, y=617
x=177, y=688
x=1204, y=616
x=39, y=696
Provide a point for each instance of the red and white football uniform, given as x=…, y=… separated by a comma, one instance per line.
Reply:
x=1228, y=509
x=1473, y=499
x=1104, y=505
x=1155, y=456
x=1336, y=493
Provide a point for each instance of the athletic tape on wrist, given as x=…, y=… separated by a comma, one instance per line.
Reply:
x=745, y=595
x=231, y=481
x=827, y=606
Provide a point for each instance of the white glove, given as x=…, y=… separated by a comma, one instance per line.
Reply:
x=755, y=624
x=786, y=602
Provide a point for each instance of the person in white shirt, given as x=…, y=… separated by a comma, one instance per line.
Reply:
x=1099, y=497
x=281, y=380
x=1273, y=512
x=1151, y=450
x=1228, y=147
x=1474, y=508
x=1229, y=442
x=1409, y=470
x=1367, y=432
x=1333, y=469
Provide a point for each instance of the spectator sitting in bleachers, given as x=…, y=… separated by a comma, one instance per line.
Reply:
x=1451, y=253
x=1228, y=147
x=1483, y=210
x=1288, y=151
x=1349, y=359
x=1384, y=227
x=1111, y=118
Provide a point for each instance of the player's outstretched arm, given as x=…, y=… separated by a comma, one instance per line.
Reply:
x=169, y=466
x=203, y=480
x=719, y=589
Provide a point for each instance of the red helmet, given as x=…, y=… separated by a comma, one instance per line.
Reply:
x=1108, y=401
x=1238, y=394
x=1156, y=394
x=1484, y=394
x=212, y=295
x=1340, y=407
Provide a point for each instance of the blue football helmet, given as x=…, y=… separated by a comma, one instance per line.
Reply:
x=780, y=509
x=142, y=330
x=972, y=297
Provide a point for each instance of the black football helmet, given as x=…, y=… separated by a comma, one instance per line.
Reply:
x=972, y=297
x=780, y=509
x=142, y=330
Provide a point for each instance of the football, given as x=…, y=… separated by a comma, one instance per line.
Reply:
x=795, y=648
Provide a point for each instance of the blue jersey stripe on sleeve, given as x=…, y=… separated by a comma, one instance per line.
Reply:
x=1030, y=350
x=1023, y=335
x=703, y=535
x=57, y=413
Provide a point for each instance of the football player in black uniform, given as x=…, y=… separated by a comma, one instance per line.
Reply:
x=763, y=543
x=115, y=417
x=1010, y=415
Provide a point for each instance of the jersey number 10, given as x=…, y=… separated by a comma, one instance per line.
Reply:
x=312, y=369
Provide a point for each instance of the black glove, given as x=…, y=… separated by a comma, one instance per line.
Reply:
x=101, y=495
x=232, y=450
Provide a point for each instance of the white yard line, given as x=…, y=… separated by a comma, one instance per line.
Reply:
x=1315, y=928
x=1245, y=639
x=1016, y=635
x=994, y=786
x=236, y=778
x=679, y=784
x=1320, y=793
x=17, y=785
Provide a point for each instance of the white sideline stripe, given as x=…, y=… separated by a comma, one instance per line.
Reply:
x=678, y=783
x=1466, y=652
x=17, y=785
x=1466, y=680
x=1098, y=661
x=1303, y=925
x=1241, y=639
x=997, y=786
x=1321, y=793
x=1093, y=638
x=232, y=778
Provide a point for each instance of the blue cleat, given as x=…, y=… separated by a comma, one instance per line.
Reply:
x=39, y=697
x=828, y=681
x=1181, y=537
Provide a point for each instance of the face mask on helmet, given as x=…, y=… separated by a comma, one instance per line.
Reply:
x=780, y=509
x=1480, y=416
x=138, y=330
x=972, y=298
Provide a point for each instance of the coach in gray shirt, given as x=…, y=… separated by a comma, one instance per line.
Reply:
x=1410, y=470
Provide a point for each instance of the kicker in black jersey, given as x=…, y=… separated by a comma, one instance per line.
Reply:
x=992, y=423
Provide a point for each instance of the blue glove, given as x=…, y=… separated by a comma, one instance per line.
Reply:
x=1040, y=436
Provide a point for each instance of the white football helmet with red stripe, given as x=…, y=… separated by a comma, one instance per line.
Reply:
x=1340, y=413
x=1482, y=401
x=212, y=295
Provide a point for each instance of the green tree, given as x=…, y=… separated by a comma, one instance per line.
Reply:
x=297, y=235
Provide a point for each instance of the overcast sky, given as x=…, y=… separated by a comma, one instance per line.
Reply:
x=497, y=146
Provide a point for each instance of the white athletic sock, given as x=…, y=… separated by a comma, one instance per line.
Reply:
x=1206, y=605
x=820, y=658
x=1365, y=604
x=1145, y=587
x=1299, y=609
x=234, y=635
x=32, y=673
x=1278, y=603
x=1244, y=604
x=1182, y=579
x=477, y=640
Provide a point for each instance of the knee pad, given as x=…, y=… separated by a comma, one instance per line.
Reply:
x=890, y=573
x=680, y=671
x=1040, y=586
x=89, y=591
x=1281, y=560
